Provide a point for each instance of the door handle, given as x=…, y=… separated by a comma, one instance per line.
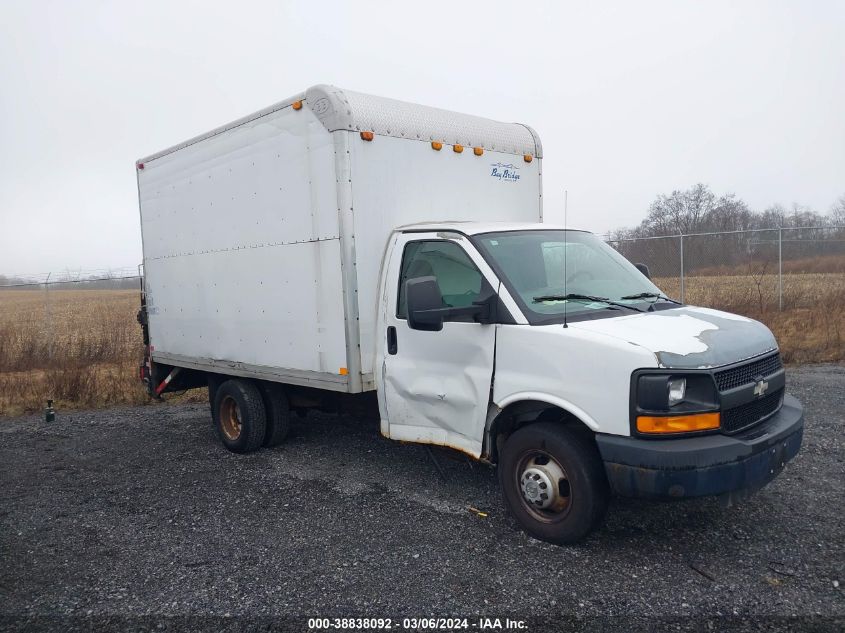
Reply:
x=392, y=345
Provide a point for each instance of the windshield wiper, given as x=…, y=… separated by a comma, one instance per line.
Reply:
x=577, y=297
x=651, y=295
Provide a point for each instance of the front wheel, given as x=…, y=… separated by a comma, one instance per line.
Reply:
x=553, y=481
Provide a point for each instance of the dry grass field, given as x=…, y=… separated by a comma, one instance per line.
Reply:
x=87, y=353
x=811, y=327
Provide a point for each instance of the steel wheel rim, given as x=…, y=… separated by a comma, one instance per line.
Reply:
x=535, y=468
x=230, y=418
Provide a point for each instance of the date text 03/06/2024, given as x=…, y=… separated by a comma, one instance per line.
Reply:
x=430, y=623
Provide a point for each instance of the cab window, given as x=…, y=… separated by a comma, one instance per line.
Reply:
x=460, y=282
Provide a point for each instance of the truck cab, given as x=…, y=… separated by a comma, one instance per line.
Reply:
x=544, y=351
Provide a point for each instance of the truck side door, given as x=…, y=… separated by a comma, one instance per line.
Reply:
x=434, y=386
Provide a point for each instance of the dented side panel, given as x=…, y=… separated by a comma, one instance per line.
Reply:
x=438, y=385
x=435, y=388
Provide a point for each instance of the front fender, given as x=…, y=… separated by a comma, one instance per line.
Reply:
x=495, y=410
x=555, y=401
x=586, y=373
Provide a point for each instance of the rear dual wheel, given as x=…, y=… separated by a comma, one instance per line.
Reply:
x=248, y=415
x=239, y=415
x=278, y=413
x=553, y=481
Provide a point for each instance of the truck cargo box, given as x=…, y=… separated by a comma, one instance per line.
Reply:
x=263, y=239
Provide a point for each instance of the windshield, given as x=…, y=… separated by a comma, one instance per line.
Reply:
x=592, y=278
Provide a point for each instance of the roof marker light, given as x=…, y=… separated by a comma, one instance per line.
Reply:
x=367, y=136
x=457, y=148
x=297, y=105
x=436, y=145
x=528, y=158
x=477, y=151
x=140, y=165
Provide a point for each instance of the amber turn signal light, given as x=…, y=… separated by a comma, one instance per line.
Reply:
x=367, y=136
x=678, y=423
x=297, y=105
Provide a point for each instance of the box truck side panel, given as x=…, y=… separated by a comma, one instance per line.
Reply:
x=399, y=181
x=242, y=250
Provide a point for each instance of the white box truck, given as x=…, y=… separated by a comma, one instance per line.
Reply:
x=339, y=250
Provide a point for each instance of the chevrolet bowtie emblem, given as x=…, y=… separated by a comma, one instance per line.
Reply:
x=760, y=387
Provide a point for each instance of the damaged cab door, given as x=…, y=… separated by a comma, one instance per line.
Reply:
x=437, y=342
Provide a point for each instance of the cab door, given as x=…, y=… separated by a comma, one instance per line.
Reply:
x=434, y=386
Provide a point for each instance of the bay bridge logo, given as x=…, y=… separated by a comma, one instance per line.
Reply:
x=504, y=171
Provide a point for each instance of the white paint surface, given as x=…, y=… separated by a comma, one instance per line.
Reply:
x=242, y=247
x=680, y=334
x=263, y=238
x=397, y=182
x=585, y=372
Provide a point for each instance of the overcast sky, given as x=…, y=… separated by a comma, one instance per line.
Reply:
x=630, y=99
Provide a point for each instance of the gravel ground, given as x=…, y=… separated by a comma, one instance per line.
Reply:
x=109, y=516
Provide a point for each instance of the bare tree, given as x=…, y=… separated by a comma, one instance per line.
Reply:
x=680, y=212
x=774, y=217
x=837, y=212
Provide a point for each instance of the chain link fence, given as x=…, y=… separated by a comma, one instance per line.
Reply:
x=750, y=272
x=73, y=337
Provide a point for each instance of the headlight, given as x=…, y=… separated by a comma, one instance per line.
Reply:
x=668, y=402
x=677, y=390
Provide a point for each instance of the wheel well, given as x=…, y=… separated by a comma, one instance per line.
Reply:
x=525, y=412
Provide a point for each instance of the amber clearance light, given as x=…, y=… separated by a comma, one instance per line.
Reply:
x=677, y=423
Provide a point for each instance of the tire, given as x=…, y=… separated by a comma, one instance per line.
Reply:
x=239, y=415
x=582, y=491
x=214, y=382
x=278, y=413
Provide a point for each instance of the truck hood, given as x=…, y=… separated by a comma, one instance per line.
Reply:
x=688, y=337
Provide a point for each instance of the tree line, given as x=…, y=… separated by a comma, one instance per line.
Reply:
x=699, y=210
x=810, y=234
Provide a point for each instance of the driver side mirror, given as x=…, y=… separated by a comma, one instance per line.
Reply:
x=426, y=310
x=643, y=269
x=425, y=304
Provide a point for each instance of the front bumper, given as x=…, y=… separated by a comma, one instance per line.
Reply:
x=705, y=465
